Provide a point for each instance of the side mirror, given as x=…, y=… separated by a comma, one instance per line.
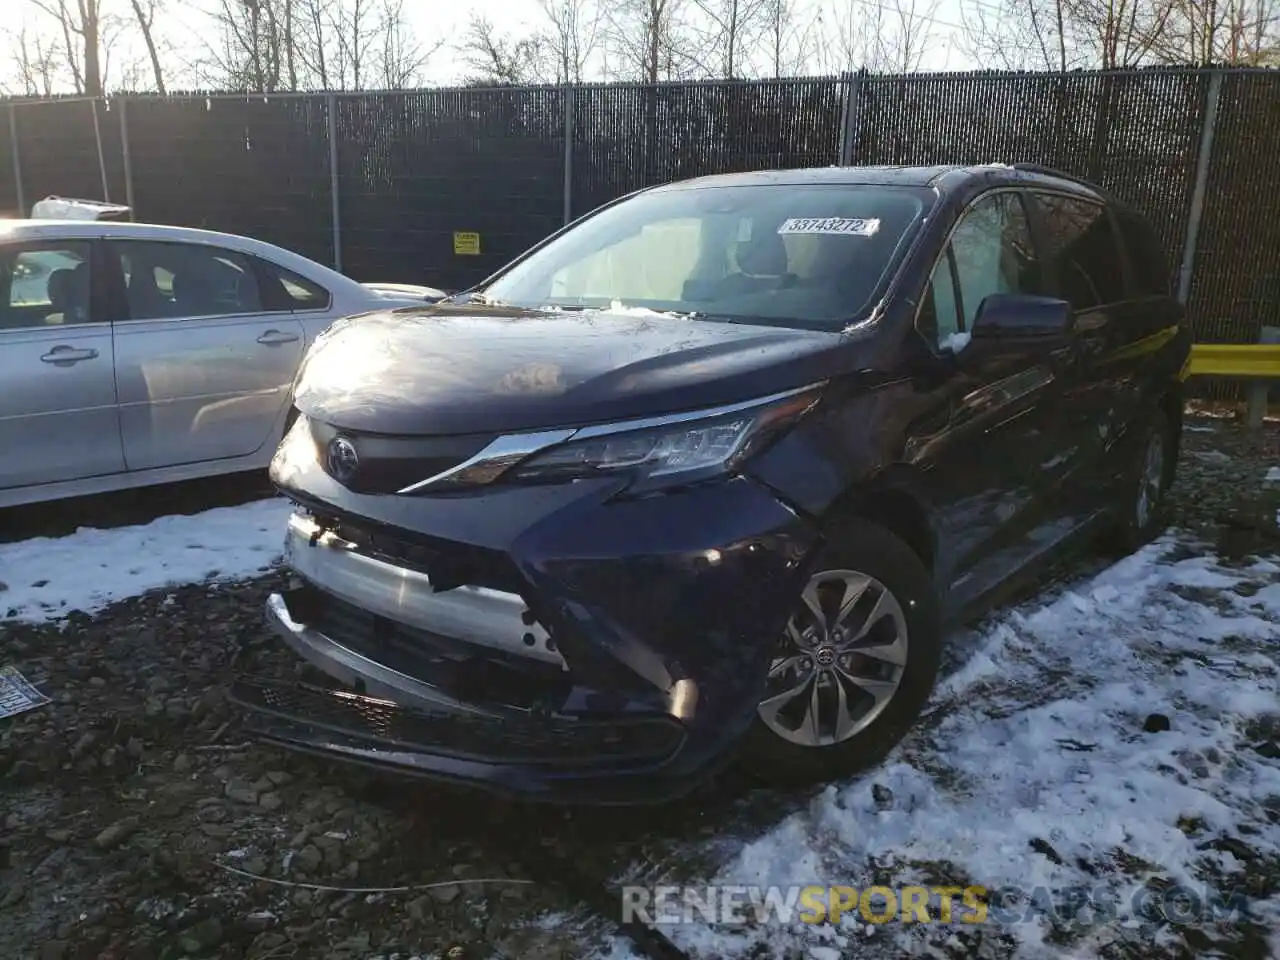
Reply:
x=1022, y=317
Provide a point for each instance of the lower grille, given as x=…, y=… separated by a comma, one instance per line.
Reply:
x=447, y=564
x=553, y=741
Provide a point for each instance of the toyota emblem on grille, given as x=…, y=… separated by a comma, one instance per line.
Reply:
x=342, y=459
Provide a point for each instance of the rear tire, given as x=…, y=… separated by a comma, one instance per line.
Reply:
x=1141, y=508
x=844, y=689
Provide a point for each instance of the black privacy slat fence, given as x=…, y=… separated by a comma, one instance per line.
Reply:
x=380, y=185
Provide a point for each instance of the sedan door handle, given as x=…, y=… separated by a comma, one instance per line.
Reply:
x=273, y=337
x=64, y=356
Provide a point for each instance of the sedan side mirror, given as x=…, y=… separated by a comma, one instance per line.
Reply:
x=1022, y=317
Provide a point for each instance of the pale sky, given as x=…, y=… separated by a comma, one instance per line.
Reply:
x=184, y=30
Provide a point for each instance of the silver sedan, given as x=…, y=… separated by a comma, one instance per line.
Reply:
x=135, y=354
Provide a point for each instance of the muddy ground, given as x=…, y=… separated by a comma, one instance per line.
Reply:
x=135, y=822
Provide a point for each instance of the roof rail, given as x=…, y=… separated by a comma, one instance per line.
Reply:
x=1043, y=170
x=1053, y=172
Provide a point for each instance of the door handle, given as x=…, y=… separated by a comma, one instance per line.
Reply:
x=273, y=337
x=64, y=356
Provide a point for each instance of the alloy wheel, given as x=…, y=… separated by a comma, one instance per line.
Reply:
x=842, y=660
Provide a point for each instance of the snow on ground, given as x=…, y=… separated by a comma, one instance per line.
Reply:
x=1033, y=769
x=47, y=578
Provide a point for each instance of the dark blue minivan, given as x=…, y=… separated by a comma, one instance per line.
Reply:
x=706, y=475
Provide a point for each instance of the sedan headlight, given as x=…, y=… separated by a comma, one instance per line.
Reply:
x=677, y=451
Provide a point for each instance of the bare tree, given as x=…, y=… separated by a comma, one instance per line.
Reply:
x=786, y=41
x=81, y=23
x=495, y=58
x=1068, y=34
x=650, y=39
x=1118, y=33
x=254, y=41
x=733, y=28
x=144, y=12
x=572, y=33
x=1238, y=32
x=312, y=40
x=36, y=60
x=403, y=56
x=893, y=37
x=1018, y=35
x=308, y=44
x=355, y=30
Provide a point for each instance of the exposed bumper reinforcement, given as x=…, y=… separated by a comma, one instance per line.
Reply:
x=479, y=615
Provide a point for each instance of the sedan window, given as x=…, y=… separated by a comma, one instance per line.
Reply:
x=45, y=285
x=285, y=290
x=185, y=280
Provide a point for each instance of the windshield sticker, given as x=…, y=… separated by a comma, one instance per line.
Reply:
x=841, y=226
x=744, y=230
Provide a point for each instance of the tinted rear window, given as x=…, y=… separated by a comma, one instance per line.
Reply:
x=1151, y=273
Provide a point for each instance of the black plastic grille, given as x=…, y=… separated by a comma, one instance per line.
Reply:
x=388, y=464
x=499, y=740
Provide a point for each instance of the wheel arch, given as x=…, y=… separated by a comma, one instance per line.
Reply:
x=896, y=502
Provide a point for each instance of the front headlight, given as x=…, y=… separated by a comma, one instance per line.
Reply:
x=681, y=451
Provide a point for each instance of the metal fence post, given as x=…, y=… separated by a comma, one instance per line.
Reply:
x=1259, y=389
x=1196, y=215
x=332, y=111
x=852, y=83
x=102, y=160
x=568, y=153
x=17, y=159
x=127, y=158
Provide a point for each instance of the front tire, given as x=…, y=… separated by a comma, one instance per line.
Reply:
x=856, y=665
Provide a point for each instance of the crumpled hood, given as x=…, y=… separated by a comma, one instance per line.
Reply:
x=471, y=369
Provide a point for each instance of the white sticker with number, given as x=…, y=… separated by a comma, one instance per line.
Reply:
x=839, y=226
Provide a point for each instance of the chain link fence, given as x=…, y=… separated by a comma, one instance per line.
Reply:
x=381, y=184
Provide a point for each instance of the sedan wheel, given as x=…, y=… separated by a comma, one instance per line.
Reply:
x=842, y=662
x=856, y=661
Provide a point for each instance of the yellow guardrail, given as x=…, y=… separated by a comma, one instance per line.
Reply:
x=1235, y=360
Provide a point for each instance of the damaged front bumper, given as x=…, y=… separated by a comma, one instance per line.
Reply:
x=611, y=656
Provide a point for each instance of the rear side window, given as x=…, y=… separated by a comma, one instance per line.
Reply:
x=1151, y=274
x=1083, y=251
x=285, y=290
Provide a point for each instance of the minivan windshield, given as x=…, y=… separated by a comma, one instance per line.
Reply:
x=807, y=255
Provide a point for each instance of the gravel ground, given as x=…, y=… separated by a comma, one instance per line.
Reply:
x=135, y=823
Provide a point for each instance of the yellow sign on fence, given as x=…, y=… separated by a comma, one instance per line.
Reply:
x=466, y=244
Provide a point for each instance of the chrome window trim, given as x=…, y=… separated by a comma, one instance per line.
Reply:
x=516, y=447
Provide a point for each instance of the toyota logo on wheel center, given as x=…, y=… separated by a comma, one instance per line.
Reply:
x=342, y=459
